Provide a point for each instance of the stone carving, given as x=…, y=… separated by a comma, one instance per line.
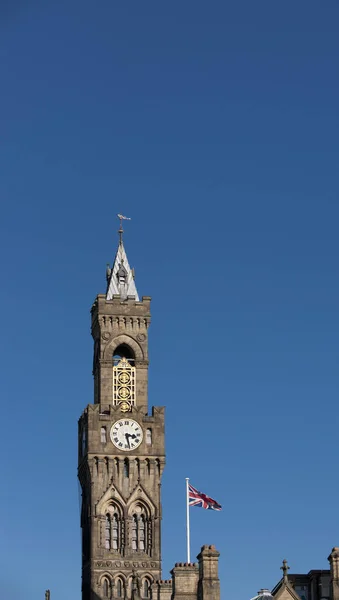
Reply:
x=107, y=563
x=118, y=564
x=141, y=337
x=105, y=336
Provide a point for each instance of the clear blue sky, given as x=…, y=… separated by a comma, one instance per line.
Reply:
x=214, y=125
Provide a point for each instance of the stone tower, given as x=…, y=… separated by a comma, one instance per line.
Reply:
x=121, y=448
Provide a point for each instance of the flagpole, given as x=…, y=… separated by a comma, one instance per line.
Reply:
x=188, y=522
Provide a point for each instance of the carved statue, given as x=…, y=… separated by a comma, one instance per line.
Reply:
x=47, y=595
x=108, y=272
x=136, y=586
x=122, y=273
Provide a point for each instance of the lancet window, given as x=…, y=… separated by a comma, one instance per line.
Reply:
x=146, y=589
x=119, y=586
x=113, y=531
x=141, y=530
x=107, y=588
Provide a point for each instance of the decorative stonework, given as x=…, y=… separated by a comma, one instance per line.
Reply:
x=118, y=564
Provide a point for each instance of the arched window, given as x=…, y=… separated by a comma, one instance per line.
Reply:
x=124, y=377
x=107, y=588
x=126, y=467
x=115, y=532
x=103, y=436
x=134, y=532
x=123, y=351
x=113, y=535
x=149, y=437
x=146, y=589
x=116, y=464
x=108, y=532
x=142, y=533
x=157, y=462
x=148, y=466
x=141, y=529
x=119, y=587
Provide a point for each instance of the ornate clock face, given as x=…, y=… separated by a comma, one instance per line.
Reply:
x=126, y=434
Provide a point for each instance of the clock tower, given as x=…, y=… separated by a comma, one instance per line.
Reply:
x=121, y=448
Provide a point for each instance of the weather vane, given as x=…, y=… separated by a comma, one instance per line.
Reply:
x=121, y=231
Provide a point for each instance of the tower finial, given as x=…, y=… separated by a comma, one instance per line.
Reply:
x=121, y=231
x=285, y=569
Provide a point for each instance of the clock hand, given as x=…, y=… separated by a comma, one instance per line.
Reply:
x=127, y=436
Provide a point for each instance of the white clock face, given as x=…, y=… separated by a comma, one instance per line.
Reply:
x=126, y=434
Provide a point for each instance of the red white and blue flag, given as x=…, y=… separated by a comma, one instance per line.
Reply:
x=197, y=498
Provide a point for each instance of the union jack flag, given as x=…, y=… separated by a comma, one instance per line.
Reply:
x=197, y=498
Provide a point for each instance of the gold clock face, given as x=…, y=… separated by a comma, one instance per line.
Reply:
x=126, y=434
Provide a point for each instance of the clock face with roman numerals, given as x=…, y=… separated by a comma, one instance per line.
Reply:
x=126, y=434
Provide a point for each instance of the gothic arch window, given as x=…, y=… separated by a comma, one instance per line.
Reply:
x=126, y=467
x=157, y=462
x=146, y=588
x=116, y=464
x=141, y=529
x=123, y=351
x=108, y=529
x=119, y=586
x=134, y=532
x=148, y=466
x=113, y=530
x=124, y=377
x=106, y=588
x=149, y=437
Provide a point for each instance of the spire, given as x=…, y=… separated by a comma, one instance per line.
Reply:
x=120, y=278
